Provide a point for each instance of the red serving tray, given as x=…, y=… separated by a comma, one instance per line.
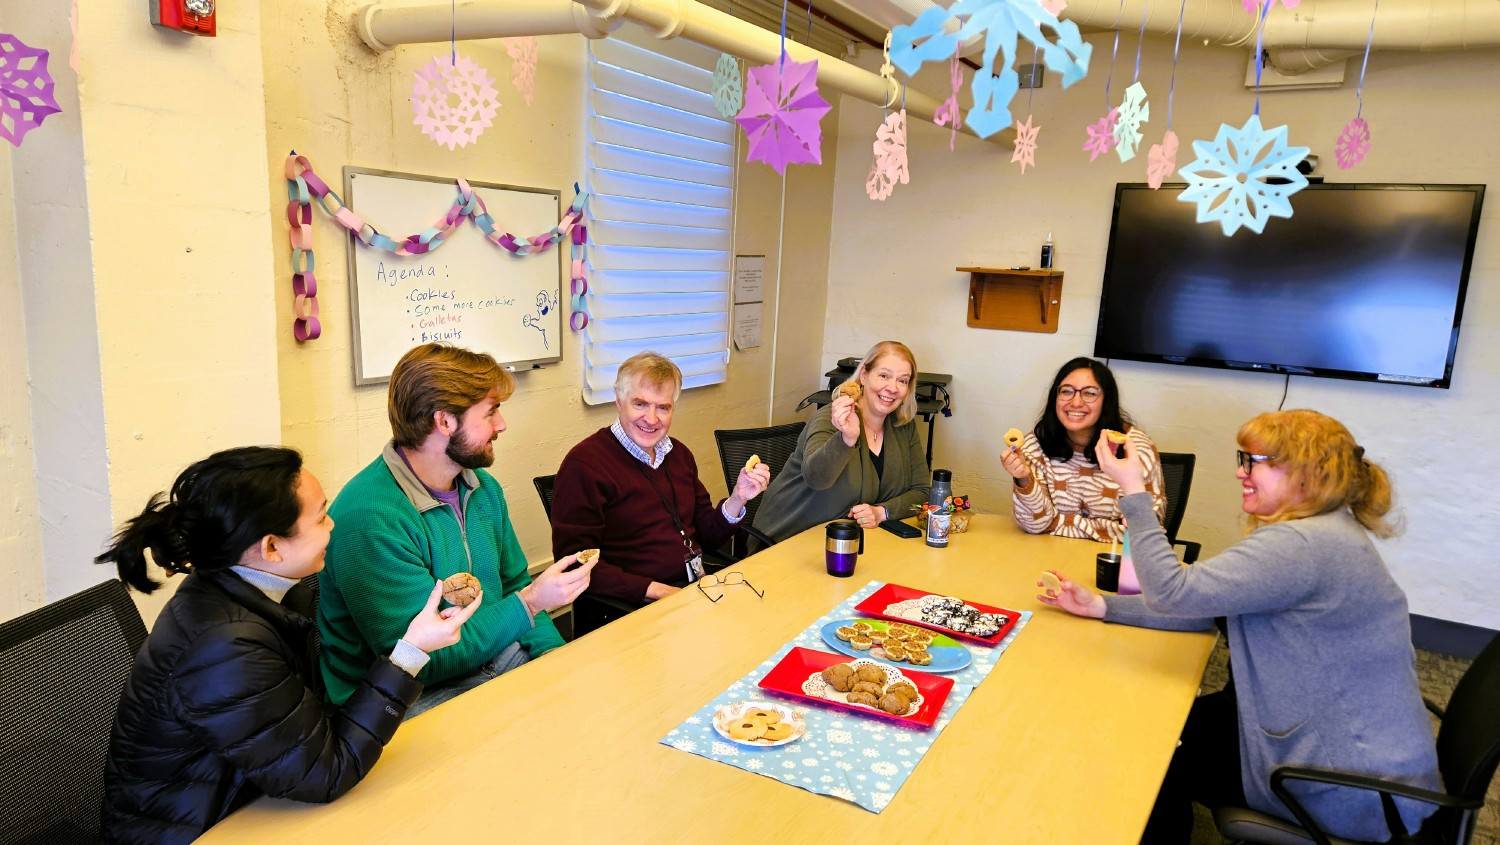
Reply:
x=802, y=663
x=888, y=595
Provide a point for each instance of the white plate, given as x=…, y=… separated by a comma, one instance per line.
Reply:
x=730, y=713
x=816, y=687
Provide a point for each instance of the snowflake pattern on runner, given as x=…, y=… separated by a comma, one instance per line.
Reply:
x=1024, y=153
x=1101, y=135
x=1353, y=143
x=890, y=165
x=26, y=97
x=1162, y=160
x=1133, y=112
x=523, y=53
x=1002, y=23
x=1229, y=179
x=454, y=104
x=729, y=88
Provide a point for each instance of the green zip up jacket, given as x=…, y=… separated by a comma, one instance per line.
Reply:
x=391, y=540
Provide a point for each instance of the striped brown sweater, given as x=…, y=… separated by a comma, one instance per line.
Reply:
x=1074, y=498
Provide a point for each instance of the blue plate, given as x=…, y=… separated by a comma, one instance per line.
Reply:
x=948, y=655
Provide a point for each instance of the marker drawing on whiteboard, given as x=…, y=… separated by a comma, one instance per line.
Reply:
x=545, y=302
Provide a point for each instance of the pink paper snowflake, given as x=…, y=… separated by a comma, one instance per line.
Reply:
x=1353, y=143
x=1054, y=7
x=890, y=165
x=26, y=97
x=454, y=104
x=781, y=114
x=1025, y=152
x=523, y=55
x=1162, y=161
x=947, y=113
x=1101, y=135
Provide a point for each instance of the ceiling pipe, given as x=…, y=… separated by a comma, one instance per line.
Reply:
x=384, y=27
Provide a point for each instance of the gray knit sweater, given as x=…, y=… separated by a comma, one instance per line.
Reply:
x=824, y=478
x=1320, y=648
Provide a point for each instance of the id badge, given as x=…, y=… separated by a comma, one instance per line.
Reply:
x=694, y=566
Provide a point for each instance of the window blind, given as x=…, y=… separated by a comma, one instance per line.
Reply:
x=660, y=215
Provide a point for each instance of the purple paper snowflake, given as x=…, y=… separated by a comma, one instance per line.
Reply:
x=1230, y=179
x=1353, y=143
x=1133, y=112
x=1101, y=135
x=1162, y=160
x=26, y=97
x=729, y=89
x=1025, y=151
x=781, y=114
x=454, y=104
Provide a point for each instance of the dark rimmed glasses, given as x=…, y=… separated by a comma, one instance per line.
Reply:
x=1248, y=460
x=719, y=581
x=1089, y=395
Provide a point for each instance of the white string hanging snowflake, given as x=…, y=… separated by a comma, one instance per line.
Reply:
x=1025, y=150
x=1230, y=179
x=1134, y=111
x=729, y=88
x=454, y=103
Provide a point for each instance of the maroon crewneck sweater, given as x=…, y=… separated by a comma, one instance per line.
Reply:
x=603, y=499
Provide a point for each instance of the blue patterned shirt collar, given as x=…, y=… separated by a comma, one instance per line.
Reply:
x=662, y=448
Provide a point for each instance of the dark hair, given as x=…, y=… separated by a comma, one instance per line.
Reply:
x=1049, y=429
x=218, y=508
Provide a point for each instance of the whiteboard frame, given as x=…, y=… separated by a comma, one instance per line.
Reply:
x=355, y=244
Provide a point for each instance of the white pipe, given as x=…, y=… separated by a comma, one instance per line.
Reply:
x=383, y=27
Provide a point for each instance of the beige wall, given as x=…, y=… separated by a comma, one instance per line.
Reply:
x=892, y=273
x=337, y=103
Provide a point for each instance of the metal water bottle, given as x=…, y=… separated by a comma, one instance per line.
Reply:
x=938, y=524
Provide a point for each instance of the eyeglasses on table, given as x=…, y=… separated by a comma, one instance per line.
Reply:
x=718, y=581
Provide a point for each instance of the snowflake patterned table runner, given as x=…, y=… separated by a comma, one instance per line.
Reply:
x=860, y=759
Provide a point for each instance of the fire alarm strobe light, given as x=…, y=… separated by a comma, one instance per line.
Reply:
x=195, y=17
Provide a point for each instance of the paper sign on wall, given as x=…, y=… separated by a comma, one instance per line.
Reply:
x=747, y=325
x=749, y=272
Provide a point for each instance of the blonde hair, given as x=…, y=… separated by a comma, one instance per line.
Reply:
x=908, y=408
x=653, y=368
x=437, y=377
x=1330, y=469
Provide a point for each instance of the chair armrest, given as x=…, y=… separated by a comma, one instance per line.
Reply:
x=1190, y=550
x=1434, y=708
x=756, y=535
x=1385, y=788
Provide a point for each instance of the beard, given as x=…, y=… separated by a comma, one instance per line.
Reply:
x=467, y=454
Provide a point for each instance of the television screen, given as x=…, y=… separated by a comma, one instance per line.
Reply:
x=1361, y=282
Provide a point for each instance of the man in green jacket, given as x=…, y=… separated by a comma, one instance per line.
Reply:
x=426, y=509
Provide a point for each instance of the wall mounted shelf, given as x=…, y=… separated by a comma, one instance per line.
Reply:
x=1015, y=300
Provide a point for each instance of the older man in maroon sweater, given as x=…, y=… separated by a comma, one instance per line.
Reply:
x=633, y=492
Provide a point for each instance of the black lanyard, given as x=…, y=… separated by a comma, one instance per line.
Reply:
x=670, y=509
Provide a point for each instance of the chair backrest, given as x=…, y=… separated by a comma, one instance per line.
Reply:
x=1468, y=743
x=774, y=444
x=1177, y=478
x=61, y=671
x=544, y=489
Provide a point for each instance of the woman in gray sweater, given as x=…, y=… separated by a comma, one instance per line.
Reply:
x=1323, y=670
x=859, y=456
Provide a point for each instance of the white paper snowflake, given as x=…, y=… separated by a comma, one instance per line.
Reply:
x=1229, y=179
x=1134, y=111
x=454, y=104
x=729, y=86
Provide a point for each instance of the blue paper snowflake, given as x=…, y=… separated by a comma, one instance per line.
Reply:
x=1229, y=179
x=1001, y=22
x=1133, y=112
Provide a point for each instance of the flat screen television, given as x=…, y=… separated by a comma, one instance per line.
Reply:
x=1363, y=281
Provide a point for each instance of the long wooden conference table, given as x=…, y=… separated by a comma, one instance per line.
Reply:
x=1066, y=740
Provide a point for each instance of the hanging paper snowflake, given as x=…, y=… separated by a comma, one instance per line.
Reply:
x=454, y=104
x=1101, y=135
x=729, y=90
x=947, y=113
x=1162, y=160
x=890, y=165
x=1133, y=112
x=781, y=114
x=1230, y=178
x=523, y=56
x=1353, y=143
x=73, y=26
x=26, y=97
x=1025, y=151
x=1054, y=7
x=1001, y=22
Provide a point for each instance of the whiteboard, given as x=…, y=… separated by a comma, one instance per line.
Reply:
x=468, y=292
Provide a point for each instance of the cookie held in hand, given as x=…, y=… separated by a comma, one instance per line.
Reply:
x=1114, y=437
x=851, y=389
x=1014, y=437
x=752, y=463
x=461, y=589
x=587, y=556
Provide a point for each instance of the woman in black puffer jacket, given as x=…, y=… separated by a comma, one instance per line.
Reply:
x=224, y=703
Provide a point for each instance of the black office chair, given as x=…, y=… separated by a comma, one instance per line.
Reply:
x=1468, y=749
x=775, y=445
x=590, y=613
x=61, y=671
x=1177, y=478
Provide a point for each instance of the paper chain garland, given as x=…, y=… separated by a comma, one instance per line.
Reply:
x=302, y=184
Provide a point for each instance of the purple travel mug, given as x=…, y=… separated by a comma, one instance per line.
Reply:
x=845, y=543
